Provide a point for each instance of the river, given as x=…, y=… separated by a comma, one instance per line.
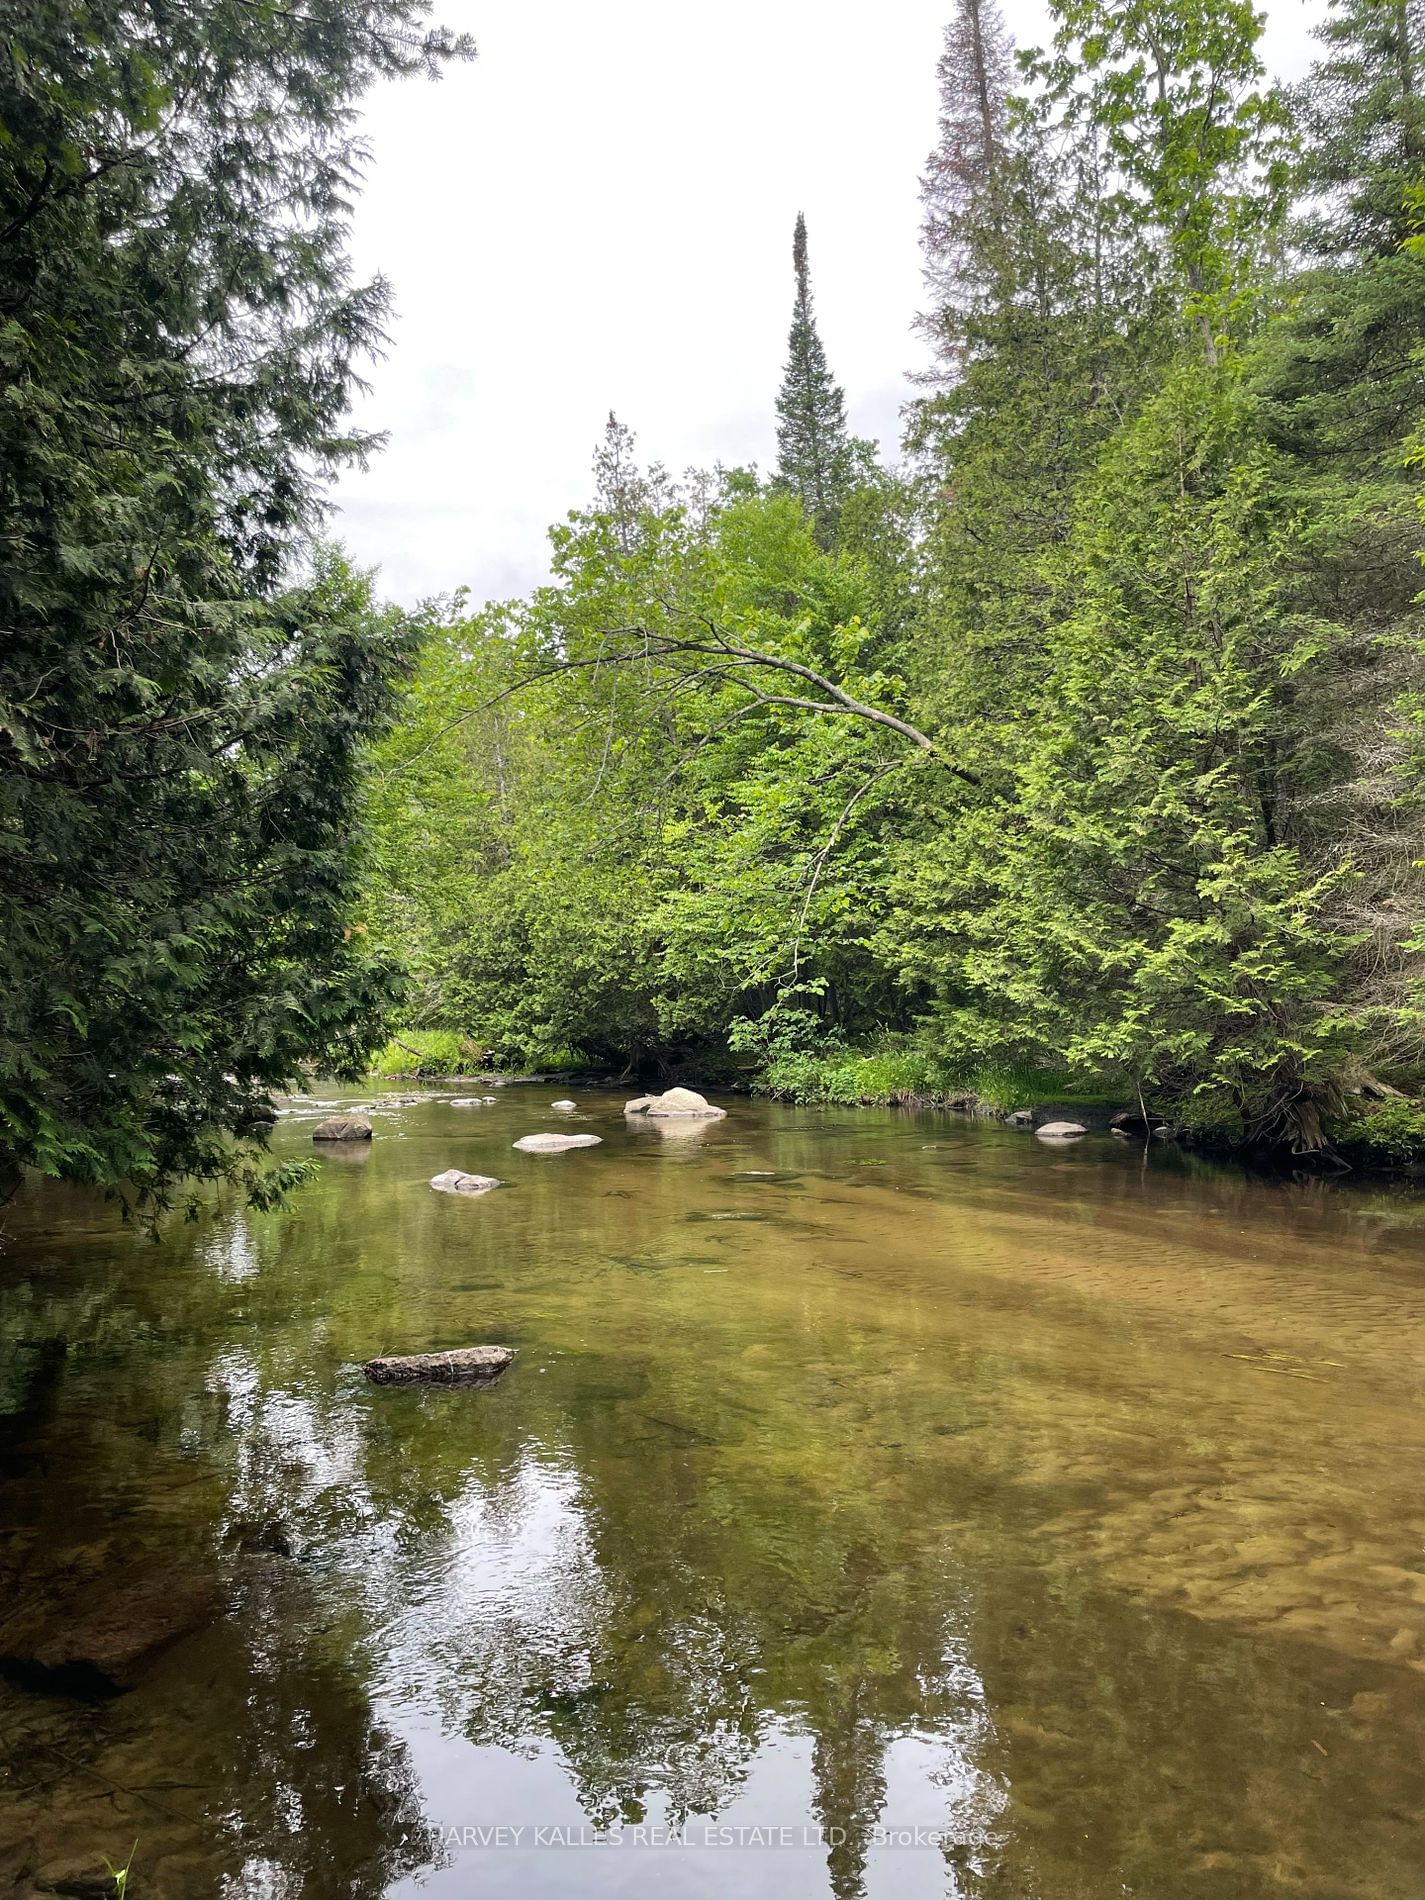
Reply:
x=879, y=1503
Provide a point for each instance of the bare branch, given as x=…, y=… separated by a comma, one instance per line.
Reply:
x=726, y=661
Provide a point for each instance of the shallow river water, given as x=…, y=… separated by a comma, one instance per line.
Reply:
x=880, y=1503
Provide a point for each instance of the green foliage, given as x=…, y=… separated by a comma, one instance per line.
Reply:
x=1088, y=755
x=1363, y=112
x=902, y=1073
x=1390, y=1134
x=425, y=1052
x=187, y=683
x=646, y=841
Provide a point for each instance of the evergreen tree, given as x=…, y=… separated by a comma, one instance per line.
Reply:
x=184, y=695
x=813, y=451
x=964, y=190
x=1362, y=112
x=624, y=491
x=1342, y=372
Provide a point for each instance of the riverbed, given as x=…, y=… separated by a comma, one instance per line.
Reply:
x=880, y=1502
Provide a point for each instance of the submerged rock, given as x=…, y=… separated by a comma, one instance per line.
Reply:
x=454, y=1182
x=93, y=1647
x=675, y=1104
x=555, y=1144
x=471, y=1101
x=343, y=1128
x=463, y=1365
x=1061, y=1131
x=266, y=1537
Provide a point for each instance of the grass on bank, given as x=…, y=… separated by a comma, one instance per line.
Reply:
x=418, y=1052
x=848, y=1078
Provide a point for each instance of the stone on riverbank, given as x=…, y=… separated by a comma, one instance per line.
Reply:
x=464, y=1365
x=454, y=1182
x=675, y=1104
x=555, y=1144
x=343, y=1128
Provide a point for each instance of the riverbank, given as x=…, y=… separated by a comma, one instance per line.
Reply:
x=1383, y=1132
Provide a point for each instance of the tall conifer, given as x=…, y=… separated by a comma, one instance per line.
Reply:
x=963, y=185
x=813, y=452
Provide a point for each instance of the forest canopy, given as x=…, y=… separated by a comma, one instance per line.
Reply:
x=1088, y=740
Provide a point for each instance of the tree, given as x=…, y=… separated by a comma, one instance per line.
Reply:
x=1141, y=903
x=965, y=187
x=1195, y=138
x=185, y=689
x=1362, y=112
x=813, y=452
x=624, y=491
x=1343, y=374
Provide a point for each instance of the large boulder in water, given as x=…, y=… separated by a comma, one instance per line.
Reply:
x=1061, y=1131
x=454, y=1182
x=679, y=1104
x=462, y=1366
x=343, y=1128
x=555, y=1144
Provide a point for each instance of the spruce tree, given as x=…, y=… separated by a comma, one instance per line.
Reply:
x=813, y=451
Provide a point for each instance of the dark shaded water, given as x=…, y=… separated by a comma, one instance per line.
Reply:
x=1034, y=1523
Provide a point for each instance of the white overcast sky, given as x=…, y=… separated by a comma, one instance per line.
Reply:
x=597, y=214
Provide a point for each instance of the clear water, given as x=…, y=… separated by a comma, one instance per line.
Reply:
x=879, y=1503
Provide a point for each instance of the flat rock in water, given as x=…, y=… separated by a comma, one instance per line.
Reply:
x=675, y=1104
x=563, y=1107
x=471, y=1101
x=466, y=1364
x=1061, y=1131
x=343, y=1128
x=555, y=1144
x=92, y=1647
x=454, y=1182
